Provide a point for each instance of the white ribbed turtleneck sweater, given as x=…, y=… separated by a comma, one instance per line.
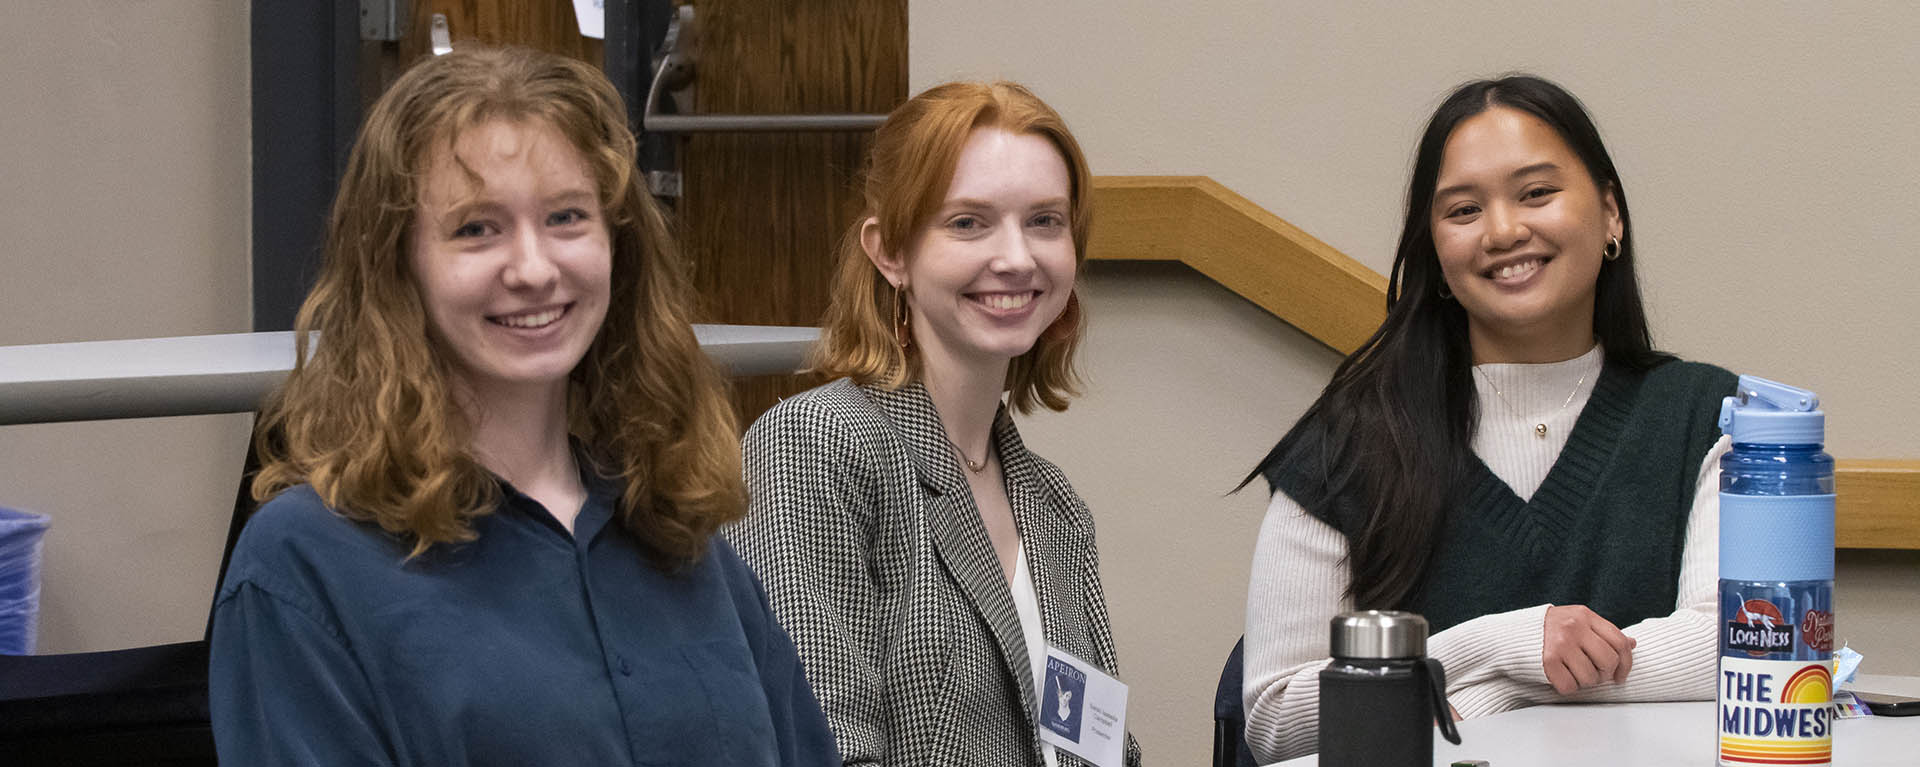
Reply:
x=1493, y=662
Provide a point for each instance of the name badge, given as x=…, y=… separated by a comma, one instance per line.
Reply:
x=1083, y=711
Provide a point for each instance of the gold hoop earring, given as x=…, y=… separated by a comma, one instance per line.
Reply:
x=1612, y=250
x=902, y=321
x=1067, y=323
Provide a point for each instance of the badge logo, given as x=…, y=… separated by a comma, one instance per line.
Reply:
x=1063, y=700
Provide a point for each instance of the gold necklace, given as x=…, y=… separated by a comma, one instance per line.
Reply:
x=1539, y=429
x=973, y=466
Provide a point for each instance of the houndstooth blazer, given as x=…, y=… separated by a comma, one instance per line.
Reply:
x=866, y=536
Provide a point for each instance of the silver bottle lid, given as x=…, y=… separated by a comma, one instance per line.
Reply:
x=1379, y=634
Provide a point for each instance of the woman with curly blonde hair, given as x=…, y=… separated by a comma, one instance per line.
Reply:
x=493, y=478
x=928, y=564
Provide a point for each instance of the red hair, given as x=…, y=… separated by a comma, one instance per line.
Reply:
x=907, y=176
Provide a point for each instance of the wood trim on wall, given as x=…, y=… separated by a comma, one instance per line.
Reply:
x=1228, y=238
x=1879, y=503
x=1339, y=301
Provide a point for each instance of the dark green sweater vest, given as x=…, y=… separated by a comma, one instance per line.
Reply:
x=1607, y=527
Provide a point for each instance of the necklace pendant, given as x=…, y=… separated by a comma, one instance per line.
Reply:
x=1540, y=430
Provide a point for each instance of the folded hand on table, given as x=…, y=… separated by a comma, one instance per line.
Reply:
x=1580, y=649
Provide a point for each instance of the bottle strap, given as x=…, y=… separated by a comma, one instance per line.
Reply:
x=1442, y=713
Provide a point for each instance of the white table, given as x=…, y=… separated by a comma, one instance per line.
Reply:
x=1649, y=734
x=229, y=373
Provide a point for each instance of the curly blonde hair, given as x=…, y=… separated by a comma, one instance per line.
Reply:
x=368, y=417
x=907, y=175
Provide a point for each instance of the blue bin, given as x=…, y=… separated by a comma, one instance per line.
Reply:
x=20, y=536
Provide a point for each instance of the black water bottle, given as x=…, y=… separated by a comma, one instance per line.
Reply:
x=1381, y=695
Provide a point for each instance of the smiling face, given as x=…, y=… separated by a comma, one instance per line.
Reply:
x=993, y=266
x=512, y=262
x=1520, y=227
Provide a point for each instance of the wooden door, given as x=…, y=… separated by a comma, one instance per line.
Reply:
x=763, y=213
x=548, y=25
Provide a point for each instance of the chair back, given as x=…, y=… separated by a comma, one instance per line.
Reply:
x=1229, y=714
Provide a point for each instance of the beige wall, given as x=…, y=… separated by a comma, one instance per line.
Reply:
x=124, y=196
x=1768, y=149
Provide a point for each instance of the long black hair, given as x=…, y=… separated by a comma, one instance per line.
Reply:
x=1383, y=450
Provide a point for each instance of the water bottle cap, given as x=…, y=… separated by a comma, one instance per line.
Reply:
x=1764, y=412
x=1378, y=634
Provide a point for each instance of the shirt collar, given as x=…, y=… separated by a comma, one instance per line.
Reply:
x=603, y=497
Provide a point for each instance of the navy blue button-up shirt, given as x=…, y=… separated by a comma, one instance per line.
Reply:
x=526, y=646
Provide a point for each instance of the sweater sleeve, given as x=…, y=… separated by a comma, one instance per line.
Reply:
x=1674, y=656
x=1299, y=581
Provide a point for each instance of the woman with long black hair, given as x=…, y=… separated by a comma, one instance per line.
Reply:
x=1508, y=454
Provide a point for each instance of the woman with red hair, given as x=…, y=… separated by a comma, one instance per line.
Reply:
x=924, y=559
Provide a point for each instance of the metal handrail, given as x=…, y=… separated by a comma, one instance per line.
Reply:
x=676, y=65
x=233, y=372
x=656, y=123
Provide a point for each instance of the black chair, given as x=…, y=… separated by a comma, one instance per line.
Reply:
x=141, y=706
x=146, y=705
x=1229, y=714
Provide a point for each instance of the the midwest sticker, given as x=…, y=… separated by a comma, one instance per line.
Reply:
x=1775, y=712
x=1759, y=629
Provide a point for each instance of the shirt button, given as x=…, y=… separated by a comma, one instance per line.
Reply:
x=626, y=669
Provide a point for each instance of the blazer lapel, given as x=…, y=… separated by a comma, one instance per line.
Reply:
x=1058, y=542
x=959, y=536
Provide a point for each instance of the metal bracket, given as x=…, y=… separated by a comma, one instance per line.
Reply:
x=384, y=20
x=675, y=73
x=442, y=36
x=663, y=183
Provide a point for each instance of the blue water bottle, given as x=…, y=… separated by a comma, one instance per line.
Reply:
x=1776, y=579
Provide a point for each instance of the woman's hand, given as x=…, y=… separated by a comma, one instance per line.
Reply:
x=1580, y=649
